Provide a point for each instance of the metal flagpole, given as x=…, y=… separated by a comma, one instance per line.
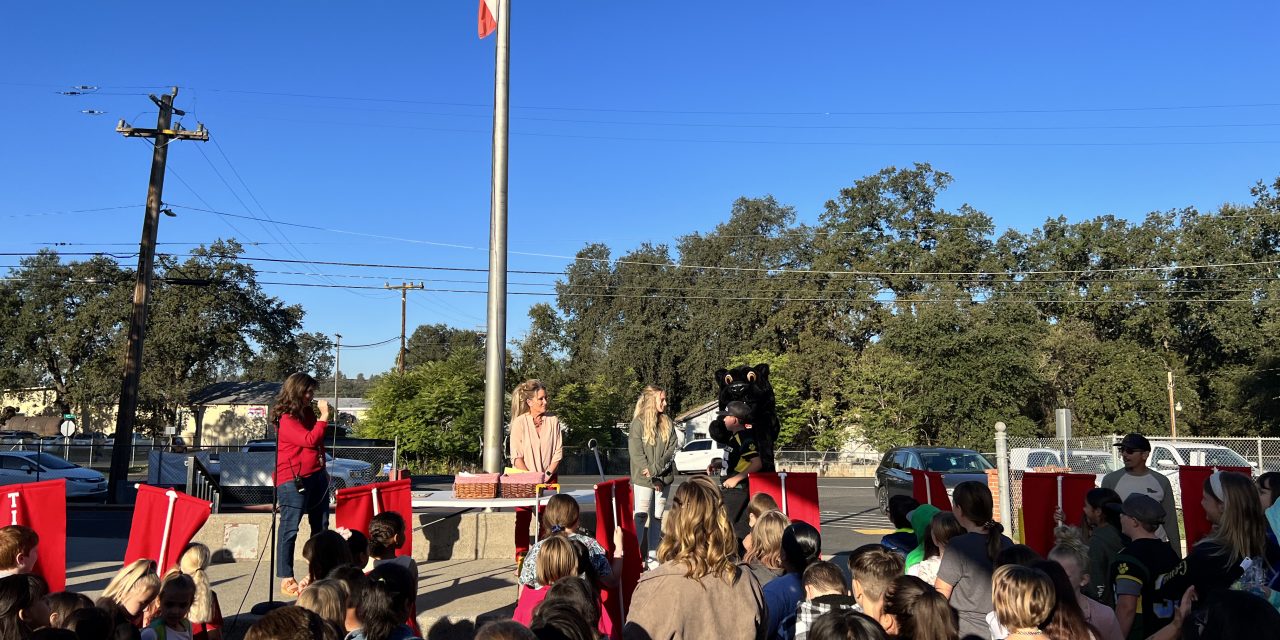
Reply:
x=496, y=329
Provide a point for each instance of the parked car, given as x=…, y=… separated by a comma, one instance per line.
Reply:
x=93, y=438
x=344, y=472
x=1094, y=461
x=1166, y=457
x=17, y=467
x=10, y=436
x=893, y=475
x=696, y=455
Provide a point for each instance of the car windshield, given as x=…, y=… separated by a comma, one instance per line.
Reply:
x=52, y=462
x=1213, y=457
x=954, y=461
x=1092, y=463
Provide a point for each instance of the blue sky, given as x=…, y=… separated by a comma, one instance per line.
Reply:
x=631, y=122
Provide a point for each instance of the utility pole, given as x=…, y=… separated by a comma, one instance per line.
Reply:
x=162, y=136
x=1173, y=414
x=337, y=369
x=404, y=290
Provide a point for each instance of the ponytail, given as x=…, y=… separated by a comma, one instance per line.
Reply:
x=994, y=538
x=977, y=506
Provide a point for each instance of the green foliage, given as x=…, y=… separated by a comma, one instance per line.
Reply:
x=431, y=342
x=896, y=320
x=435, y=409
x=592, y=409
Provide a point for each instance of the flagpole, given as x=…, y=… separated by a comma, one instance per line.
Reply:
x=496, y=330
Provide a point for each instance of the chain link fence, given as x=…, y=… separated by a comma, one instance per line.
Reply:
x=1099, y=456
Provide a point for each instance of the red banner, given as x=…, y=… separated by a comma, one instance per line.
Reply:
x=613, y=509
x=164, y=521
x=1191, y=480
x=1044, y=493
x=356, y=506
x=795, y=493
x=42, y=506
x=927, y=487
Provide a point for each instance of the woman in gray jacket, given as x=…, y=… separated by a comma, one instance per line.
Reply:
x=652, y=444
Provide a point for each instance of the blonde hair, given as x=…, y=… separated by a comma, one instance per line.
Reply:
x=1023, y=597
x=766, y=539
x=139, y=574
x=521, y=395
x=556, y=559
x=657, y=426
x=560, y=514
x=1240, y=533
x=1069, y=544
x=327, y=598
x=761, y=503
x=697, y=533
x=192, y=562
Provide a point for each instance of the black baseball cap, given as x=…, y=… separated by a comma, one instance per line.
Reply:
x=1135, y=441
x=737, y=409
x=1143, y=508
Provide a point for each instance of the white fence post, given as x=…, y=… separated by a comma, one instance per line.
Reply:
x=1260, y=467
x=1002, y=467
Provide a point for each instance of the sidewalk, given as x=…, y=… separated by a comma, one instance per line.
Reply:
x=453, y=596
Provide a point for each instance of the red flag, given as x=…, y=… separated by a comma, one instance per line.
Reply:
x=928, y=488
x=488, y=17
x=1195, y=524
x=356, y=506
x=795, y=493
x=1051, y=491
x=42, y=506
x=164, y=521
x=613, y=508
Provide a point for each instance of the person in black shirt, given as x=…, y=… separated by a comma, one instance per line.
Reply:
x=742, y=458
x=1135, y=570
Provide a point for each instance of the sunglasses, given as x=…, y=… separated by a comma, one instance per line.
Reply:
x=1127, y=450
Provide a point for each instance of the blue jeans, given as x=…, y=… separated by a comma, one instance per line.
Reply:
x=314, y=501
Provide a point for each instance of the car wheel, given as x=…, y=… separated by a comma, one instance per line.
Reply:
x=882, y=497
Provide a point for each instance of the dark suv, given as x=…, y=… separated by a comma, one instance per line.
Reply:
x=893, y=476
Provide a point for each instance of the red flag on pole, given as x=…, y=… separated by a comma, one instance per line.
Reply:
x=613, y=509
x=1051, y=491
x=356, y=506
x=1195, y=523
x=795, y=493
x=488, y=17
x=42, y=506
x=164, y=521
x=928, y=488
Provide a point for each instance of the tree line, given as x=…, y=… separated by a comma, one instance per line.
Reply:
x=894, y=320
x=63, y=325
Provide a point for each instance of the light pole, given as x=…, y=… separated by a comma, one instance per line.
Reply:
x=337, y=371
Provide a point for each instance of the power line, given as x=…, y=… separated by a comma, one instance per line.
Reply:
x=69, y=211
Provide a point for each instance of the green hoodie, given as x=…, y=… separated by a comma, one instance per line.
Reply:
x=920, y=520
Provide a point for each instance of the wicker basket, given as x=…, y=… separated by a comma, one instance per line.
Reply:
x=520, y=485
x=480, y=486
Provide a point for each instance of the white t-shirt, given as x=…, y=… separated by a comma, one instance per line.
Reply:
x=1147, y=485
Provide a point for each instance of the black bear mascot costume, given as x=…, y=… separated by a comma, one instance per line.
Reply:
x=750, y=385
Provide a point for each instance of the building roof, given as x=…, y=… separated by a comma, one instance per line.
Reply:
x=237, y=393
x=697, y=411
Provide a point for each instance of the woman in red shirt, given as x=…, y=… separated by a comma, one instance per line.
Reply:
x=302, y=484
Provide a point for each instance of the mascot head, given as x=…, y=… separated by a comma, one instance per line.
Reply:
x=748, y=384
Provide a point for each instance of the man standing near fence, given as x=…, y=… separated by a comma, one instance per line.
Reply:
x=1136, y=479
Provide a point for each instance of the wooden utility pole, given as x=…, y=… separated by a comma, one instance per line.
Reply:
x=162, y=136
x=1173, y=413
x=404, y=290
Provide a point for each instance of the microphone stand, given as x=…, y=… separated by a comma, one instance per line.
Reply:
x=262, y=608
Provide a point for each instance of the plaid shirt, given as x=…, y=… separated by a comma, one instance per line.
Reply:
x=807, y=612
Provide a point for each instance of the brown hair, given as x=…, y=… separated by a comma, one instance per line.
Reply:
x=327, y=598
x=1241, y=533
x=292, y=397
x=16, y=539
x=825, y=577
x=556, y=559
x=504, y=630
x=942, y=529
x=975, y=503
x=875, y=570
x=179, y=582
x=697, y=533
x=560, y=515
x=1067, y=622
x=64, y=603
x=766, y=539
x=291, y=623
x=383, y=529
x=522, y=394
x=922, y=613
x=1023, y=597
x=760, y=504
x=324, y=552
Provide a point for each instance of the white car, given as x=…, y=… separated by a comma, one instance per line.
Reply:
x=1094, y=461
x=17, y=467
x=1167, y=456
x=696, y=455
